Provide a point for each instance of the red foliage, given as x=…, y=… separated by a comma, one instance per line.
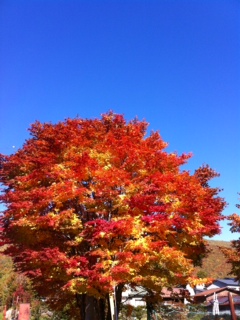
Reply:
x=92, y=203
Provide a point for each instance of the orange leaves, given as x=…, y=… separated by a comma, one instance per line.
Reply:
x=235, y=222
x=204, y=174
x=65, y=220
x=233, y=254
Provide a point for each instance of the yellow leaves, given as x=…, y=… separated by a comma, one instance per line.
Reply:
x=107, y=167
x=137, y=244
x=102, y=234
x=143, y=172
x=175, y=260
x=77, y=285
x=103, y=158
x=122, y=196
x=120, y=203
x=138, y=227
x=60, y=171
x=108, y=264
x=74, y=220
x=173, y=200
x=167, y=199
x=193, y=281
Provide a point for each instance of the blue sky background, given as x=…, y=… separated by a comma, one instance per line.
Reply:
x=175, y=64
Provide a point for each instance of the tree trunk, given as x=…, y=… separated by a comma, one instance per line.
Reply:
x=80, y=300
x=150, y=311
x=90, y=307
x=118, y=297
x=108, y=317
x=95, y=309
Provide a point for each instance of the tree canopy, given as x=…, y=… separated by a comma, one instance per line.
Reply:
x=93, y=204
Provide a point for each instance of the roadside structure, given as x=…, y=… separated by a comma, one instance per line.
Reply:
x=220, y=301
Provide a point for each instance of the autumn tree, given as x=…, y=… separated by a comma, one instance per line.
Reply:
x=15, y=287
x=233, y=253
x=93, y=205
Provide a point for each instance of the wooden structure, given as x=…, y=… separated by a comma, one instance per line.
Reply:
x=228, y=299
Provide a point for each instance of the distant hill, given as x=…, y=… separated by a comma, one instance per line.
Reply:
x=215, y=264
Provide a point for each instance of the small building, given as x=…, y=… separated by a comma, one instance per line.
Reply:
x=134, y=297
x=174, y=296
x=222, y=283
x=228, y=300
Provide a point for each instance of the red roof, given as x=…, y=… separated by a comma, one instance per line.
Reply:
x=175, y=292
x=222, y=296
x=210, y=292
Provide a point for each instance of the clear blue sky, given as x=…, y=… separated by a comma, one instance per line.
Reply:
x=175, y=64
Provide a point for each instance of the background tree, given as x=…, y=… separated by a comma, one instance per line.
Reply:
x=15, y=288
x=93, y=205
x=7, y=281
x=233, y=253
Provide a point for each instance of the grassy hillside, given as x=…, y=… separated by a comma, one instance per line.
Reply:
x=215, y=265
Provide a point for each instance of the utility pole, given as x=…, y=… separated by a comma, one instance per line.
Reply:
x=233, y=313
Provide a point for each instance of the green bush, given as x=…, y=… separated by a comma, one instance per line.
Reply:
x=129, y=312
